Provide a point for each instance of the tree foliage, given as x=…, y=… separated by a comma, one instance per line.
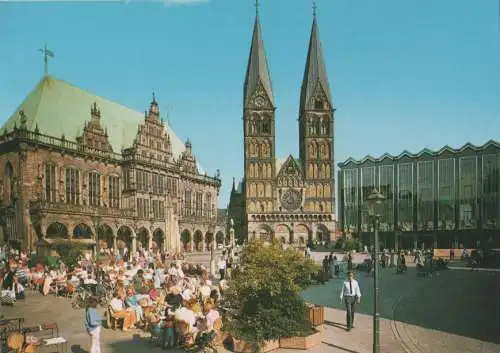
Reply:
x=263, y=299
x=69, y=252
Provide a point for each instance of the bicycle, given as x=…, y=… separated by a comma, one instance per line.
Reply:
x=80, y=298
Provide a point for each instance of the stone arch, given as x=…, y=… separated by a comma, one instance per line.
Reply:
x=8, y=188
x=57, y=230
x=301, y=231
x=82, y=231
x=209, y=238
x=105, y=236
x=186, y=238
x=158, y=235
x=124, y=238
x=265, y=232
x=219, y=238
x=143, y=238
x=283, y=231
x=322, y=232
x=198, y=240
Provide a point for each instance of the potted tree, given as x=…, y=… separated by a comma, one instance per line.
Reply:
x=263, y=300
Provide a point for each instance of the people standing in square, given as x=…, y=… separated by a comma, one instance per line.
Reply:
x=350, y=294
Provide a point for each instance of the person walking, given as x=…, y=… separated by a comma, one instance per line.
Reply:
x=350, y=294
x=222, y=268
x=93, y=323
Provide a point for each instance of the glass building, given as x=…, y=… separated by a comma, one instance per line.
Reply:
x=435, y=199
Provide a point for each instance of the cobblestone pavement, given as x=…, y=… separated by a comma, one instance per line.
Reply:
x=455, y=312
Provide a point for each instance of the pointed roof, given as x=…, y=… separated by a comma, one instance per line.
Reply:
x=59, y=108
x=257, y=69
x=315, y=71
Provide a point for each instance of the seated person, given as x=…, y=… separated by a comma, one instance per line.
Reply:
x=139, y=283
x=18, y=288
x=174, y=299
x=187, y=315
x=211, y=315
x=120, y=311
x=131, y=302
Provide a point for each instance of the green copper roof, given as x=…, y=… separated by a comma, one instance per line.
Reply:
x=59, y=108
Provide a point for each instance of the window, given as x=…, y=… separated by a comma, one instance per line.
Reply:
x=143, y=208
x=114, y=192
x=94, y=189
x=199, y=204
x=405, y=196
x=425, y=194
x=386, y=182
x=161, y=184
x=142, y=181
x=50, y=183
x=156, y=184
x=467, y=192
x=72, y=186
x=367, y=186
x=318, y=103
x=491, y=191
x=187, y=203
x=207, y=208
x=266, y=127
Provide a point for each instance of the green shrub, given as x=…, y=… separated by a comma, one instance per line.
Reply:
x=69, y=252
x=263, y=299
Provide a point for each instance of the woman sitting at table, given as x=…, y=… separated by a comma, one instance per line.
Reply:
x=120, y=311
x=133, y=302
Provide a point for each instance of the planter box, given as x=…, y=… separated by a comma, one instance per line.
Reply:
x=317, y=315
x=301, y=342
x=241, y=346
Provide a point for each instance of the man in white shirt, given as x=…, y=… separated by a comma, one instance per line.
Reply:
x=350, y=294
x=222, y=267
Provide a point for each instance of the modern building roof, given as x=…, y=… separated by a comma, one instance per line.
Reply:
x=59, y=108
x=467, y=146
x=257, y=69
x=315, y=71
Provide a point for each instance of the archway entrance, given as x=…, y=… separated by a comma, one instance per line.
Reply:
x=198, y=240
x=82, y=231
x=124, y=239
x=143, y=239
x=219, y=239
x=158, y=239
x=105, y=237
x=209, y=239
x=185, y=239
x=56, y=230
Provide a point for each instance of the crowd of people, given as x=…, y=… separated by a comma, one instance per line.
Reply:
x=178, y=301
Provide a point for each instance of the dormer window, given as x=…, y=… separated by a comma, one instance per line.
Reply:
x=318, y=103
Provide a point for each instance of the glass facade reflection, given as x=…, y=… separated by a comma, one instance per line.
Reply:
x=351, y=194
x=467, y=192
x=446, y=194
x=444, y=199
x=491, y=191
x=386, y=187
x=425, y=195
x=405, y=196
x=367, y=185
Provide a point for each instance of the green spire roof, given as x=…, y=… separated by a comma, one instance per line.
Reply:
x=59, y=108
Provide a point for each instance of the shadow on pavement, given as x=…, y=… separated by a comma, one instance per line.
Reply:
x=340, y=348
x=77, y=349
x=454, y=301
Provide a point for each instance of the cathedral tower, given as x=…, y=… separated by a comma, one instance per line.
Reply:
x=316, y=118
x=259, y=129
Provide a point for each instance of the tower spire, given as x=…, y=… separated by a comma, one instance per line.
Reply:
x=257, y=69
x=315, y=76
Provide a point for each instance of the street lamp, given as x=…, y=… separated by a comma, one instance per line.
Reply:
x=375, y=203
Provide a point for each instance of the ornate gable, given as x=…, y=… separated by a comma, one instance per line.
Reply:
x=319, y=100
x=187, y=162
x=290, y=174
x=94, y=136
x=260, y=99
x=152, y=139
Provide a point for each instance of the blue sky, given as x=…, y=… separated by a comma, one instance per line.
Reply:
x=404, y=74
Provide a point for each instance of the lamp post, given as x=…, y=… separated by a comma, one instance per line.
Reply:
x=375, y=202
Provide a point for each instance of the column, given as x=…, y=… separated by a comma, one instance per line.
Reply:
x=396, y=241
x=134, y=245
x=231, y=237
x=415, y=242
x=192, y=243
x=150, y=241
x=115, y=244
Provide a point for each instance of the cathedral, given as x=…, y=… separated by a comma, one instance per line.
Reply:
x=291, y=199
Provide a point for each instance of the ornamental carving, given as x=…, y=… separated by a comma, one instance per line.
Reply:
x=291, y=199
